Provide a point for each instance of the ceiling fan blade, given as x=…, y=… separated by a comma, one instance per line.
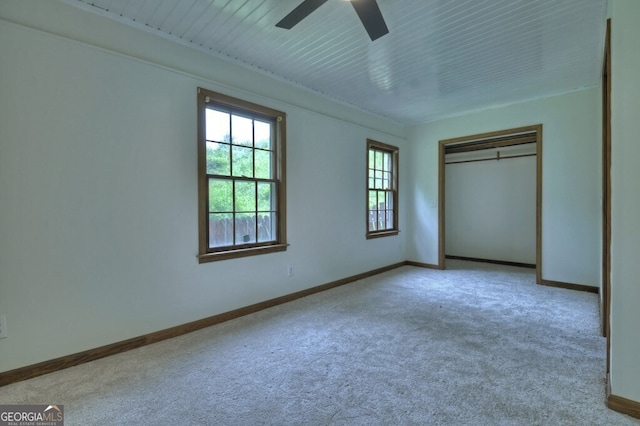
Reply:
x=299, y=13
x=371, y=17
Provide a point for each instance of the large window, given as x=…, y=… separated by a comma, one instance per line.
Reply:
x=382, y=189
x=241, y=183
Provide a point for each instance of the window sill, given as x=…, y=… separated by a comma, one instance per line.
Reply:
x=380, y=234
x=233, y=254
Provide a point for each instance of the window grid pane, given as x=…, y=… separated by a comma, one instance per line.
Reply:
x=262, y=135
x=266, y=196
x=381, y=210
x=241, y=130
x=220, y=195
x=242, y=161
x=220, y=229
x=218, y=126
x=266, y=226
x=218, y=155
x=381, y=205
x=242, y=208
x=245, y=228
x=380, y=170
x=262, y=162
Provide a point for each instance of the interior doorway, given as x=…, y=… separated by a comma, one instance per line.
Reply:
x=493, y=140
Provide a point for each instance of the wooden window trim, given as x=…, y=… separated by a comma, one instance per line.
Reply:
x=205, y=254
x=379, y=234
x=394, y=151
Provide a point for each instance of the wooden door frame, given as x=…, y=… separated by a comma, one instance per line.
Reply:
x=606, y=192
x=537, y=129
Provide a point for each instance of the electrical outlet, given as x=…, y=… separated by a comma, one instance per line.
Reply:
x=290, y=270
x=3, y=326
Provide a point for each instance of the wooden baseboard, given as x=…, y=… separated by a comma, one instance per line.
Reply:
x=569, y=286
x=495, y=262
x=67, y=361
x=620, y=404
x=424, y=265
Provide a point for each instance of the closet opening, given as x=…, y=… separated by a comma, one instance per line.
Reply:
x=490, y=198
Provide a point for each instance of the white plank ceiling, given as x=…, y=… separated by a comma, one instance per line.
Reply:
x=440, y=58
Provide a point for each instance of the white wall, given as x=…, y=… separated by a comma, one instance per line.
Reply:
x=98, y=217
x=490, y=206
x=98, y=232
x=625, y=200
x=571, y=184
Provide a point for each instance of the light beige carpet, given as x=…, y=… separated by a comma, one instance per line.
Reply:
x=473, y=345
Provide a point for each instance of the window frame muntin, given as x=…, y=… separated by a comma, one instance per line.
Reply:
x=255, y=111
x=395, y=154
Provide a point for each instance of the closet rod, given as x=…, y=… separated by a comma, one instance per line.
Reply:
x=496, y=158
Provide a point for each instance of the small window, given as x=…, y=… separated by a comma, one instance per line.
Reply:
x=382, y=189
x=241, y=185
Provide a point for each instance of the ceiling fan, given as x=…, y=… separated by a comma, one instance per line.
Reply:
x=367, y=10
